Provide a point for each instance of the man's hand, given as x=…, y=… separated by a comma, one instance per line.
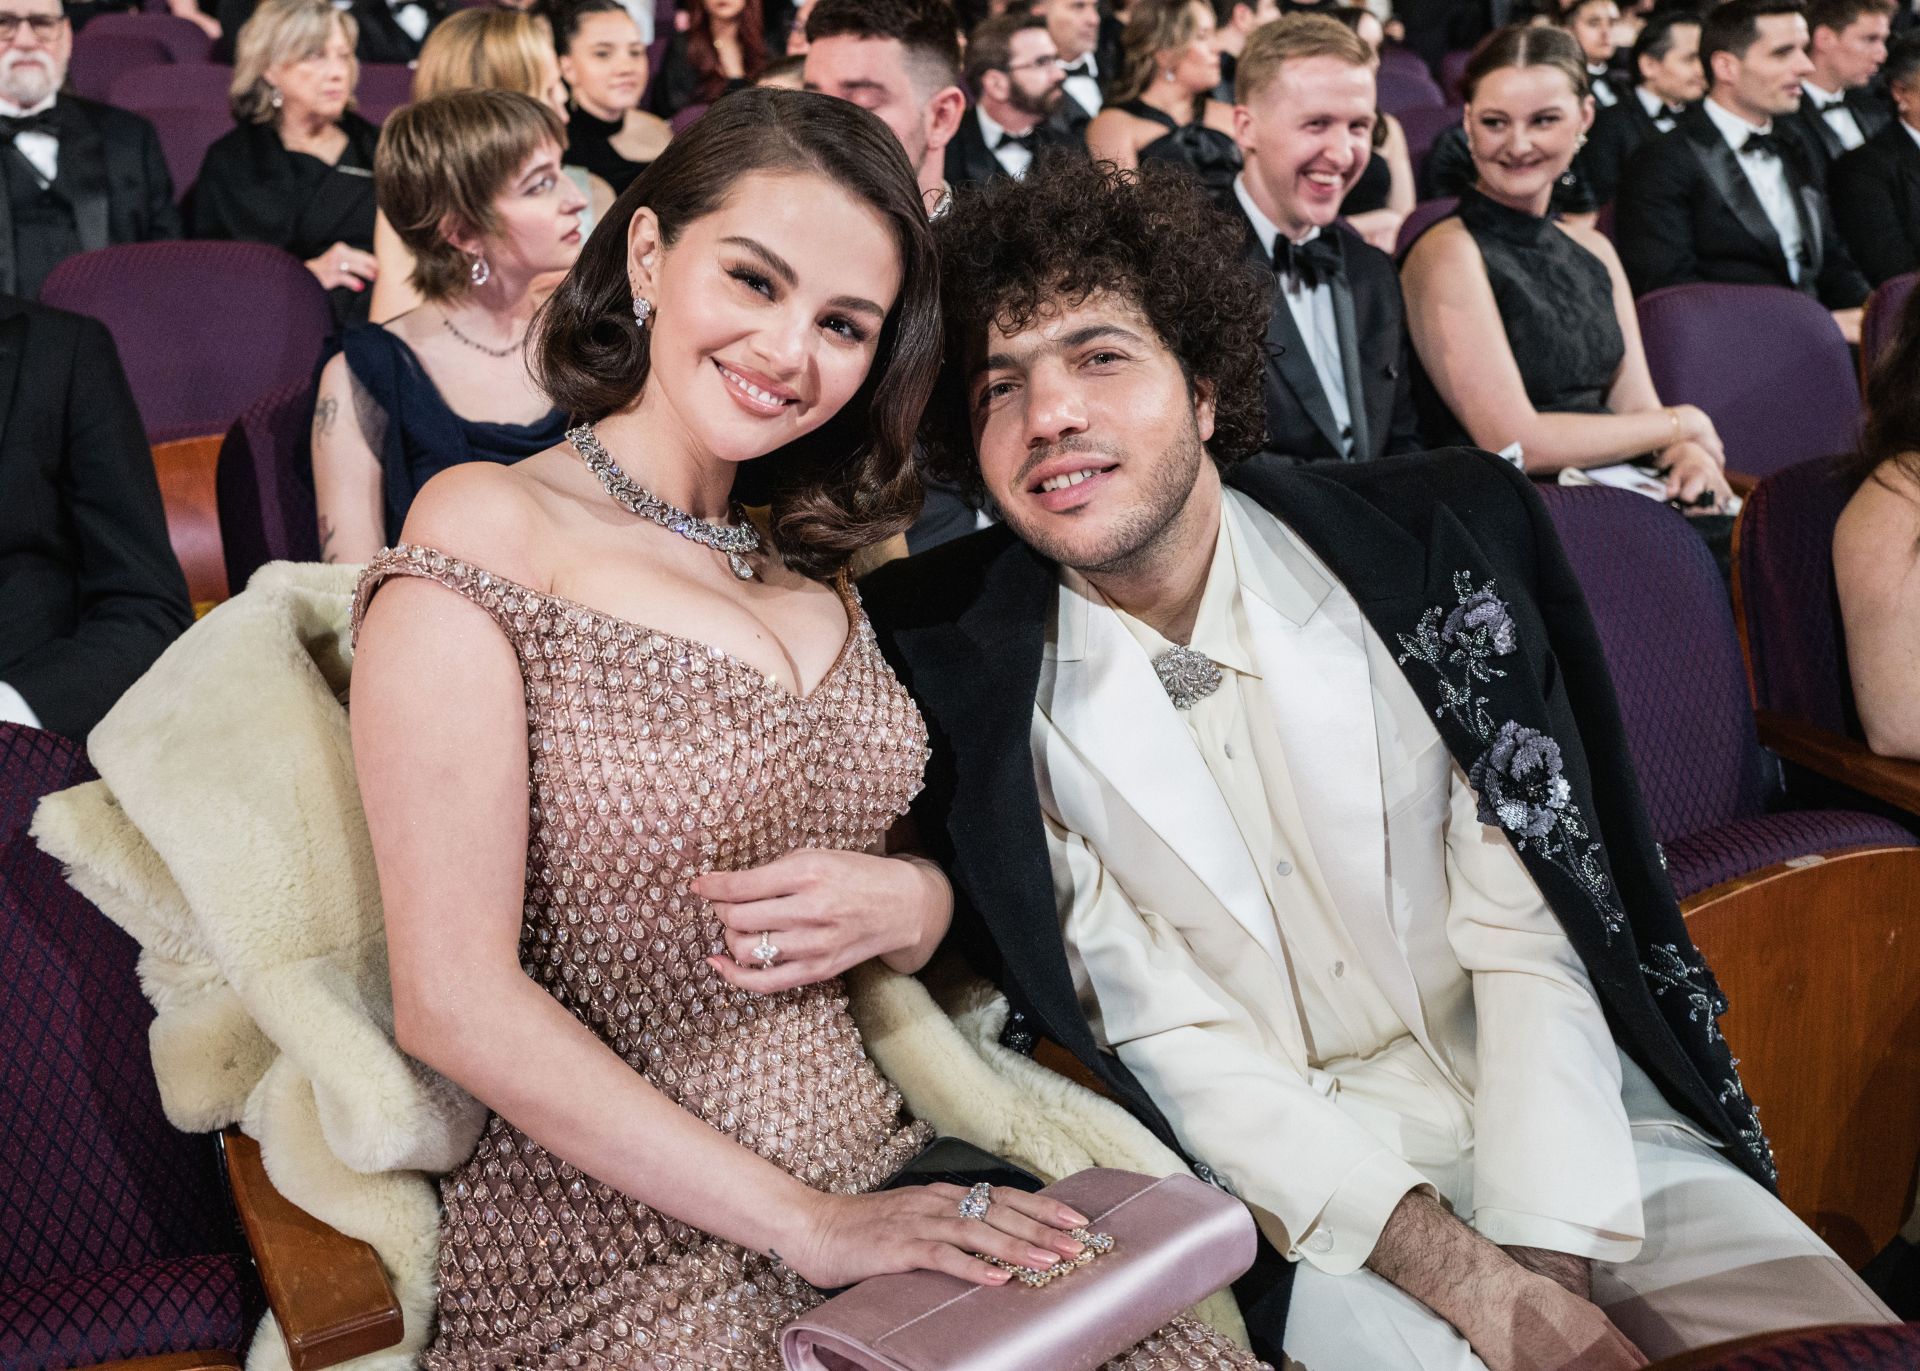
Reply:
x=1512, y=1317
x=1572, y=1274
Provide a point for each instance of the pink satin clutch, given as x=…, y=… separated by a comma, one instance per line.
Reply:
x=1174, y=1242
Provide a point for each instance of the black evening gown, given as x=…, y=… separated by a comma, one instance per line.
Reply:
x=422, y=435
x=252, y=189
x=1209, y=154
x=1370, y=192
x=590, y=145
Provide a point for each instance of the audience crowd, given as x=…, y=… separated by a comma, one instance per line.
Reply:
x=1414, y=225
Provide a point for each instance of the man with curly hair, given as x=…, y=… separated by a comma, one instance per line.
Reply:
x=1293, y=803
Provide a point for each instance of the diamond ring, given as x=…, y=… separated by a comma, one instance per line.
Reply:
x=974, y=1204
x=765, y=952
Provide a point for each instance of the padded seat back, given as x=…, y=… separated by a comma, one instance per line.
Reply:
x=99, y=61
x=1880, y=324
x=184, y=39
x=265, y=484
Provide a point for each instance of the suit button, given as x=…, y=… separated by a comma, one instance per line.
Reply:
x=1321, y=1242
x=1339, y=969
x=1283, y=867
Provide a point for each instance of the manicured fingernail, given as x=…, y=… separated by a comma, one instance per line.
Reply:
x=1077, y=1220
x=1068, y=1247
x=1035, y=1257
x=1000, y=1275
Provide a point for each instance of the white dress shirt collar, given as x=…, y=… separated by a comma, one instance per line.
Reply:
x=13, y=111
x=1912, y=132
x=1264, y=228
x=1013, y=159
x=1732, y=127
x=1821, y=98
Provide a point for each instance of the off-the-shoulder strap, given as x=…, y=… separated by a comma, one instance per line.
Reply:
x=501, y=598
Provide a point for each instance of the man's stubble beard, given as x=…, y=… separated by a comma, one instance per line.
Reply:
x=1145, y=534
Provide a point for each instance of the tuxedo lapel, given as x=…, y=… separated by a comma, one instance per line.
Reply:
x=1347, y=328
x=82, y=179
x=977, y=164
x=13, y=337
x=1722, y=167
x=9, y=269
x=1287, y=356
x=1110, y=707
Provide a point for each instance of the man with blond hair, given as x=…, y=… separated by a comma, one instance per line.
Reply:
x=1337, y=380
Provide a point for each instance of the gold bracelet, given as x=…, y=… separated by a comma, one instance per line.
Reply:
x=1673, y=417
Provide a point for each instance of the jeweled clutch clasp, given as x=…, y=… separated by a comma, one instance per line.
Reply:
x=1092, y=1245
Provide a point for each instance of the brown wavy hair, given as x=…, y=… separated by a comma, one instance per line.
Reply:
x=704, y=58
x=1153, y=26
x=1520, y=45
x=1893, y=406
x=851, y=482
x=1010, y=250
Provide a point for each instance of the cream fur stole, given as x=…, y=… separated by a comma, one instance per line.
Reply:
x=226, y=836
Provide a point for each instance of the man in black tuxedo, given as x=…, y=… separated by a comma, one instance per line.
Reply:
x=392, y=31
x=1234, y=22
x=1876, y=187
x=90, y=593
x=1338, y=382
x=1014, y=71
x=1729, y=195
x=1667, y=58
x=1839, y=107
x=1295, y=806
x=1089, y=51
x=78, y=175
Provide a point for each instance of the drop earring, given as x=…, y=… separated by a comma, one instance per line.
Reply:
x=642, y=310
x=274, y=98
x=480, y=272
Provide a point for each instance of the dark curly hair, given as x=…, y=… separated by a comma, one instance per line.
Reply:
x=1011, y=249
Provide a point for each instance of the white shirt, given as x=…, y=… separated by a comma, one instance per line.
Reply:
x=1833, y=109
x=1011, y=156
x=1655, y=107
x=1312, y=312
x=1912, y=132
x=42, y=150
x=14, y=708
x=1768, y=177
x=1604, y=95
x=1086, y=89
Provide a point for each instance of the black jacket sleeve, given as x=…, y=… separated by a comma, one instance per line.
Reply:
x=132, y=596
x=1653, y=221
x=1842, y=284
x=1868, y=209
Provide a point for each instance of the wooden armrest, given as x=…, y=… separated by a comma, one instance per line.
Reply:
x=1061, y=1062
x=1740, y=483
x=328, y=1292
x=175, y=1361
x=1890, y=780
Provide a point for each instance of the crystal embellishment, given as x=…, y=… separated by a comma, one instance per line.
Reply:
x=736, y=541
x=1187, y=676
x=1092, y=1245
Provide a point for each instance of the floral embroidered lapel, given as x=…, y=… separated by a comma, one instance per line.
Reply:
x=1454, y=563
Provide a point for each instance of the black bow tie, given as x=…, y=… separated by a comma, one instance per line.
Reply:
x=1077, y=69
x=13, y=125
x=1768, y=144
x=1312, y=263
x=1019, y=140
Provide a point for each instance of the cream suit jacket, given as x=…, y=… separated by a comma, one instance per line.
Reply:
x=1178, y=957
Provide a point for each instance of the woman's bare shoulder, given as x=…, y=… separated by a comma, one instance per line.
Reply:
x=501, y=518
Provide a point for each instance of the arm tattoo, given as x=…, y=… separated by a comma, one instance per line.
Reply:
x=326, y=537
x=324, y=415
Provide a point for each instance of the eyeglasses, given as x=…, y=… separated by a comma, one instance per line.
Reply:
x=44, y=26
x=1038, y=64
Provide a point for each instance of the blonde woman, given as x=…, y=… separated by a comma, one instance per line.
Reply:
x=472, y=182
x=297, y=172
x=481, y=49
x=1159, y=107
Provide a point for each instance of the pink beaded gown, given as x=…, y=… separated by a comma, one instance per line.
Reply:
x=651, y=759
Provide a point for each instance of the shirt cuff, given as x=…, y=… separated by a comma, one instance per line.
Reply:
x=1512, y=1228
x=1343, y=1235
x=14, y=708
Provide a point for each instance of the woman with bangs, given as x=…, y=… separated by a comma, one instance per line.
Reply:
x=297, y=171
x=483, y=49
x=472, y=184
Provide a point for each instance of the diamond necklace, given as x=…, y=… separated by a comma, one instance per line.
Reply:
x=738, y=540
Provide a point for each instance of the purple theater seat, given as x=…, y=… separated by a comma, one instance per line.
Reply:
x=683, y=119
x=1881, y=323
x=1393, y=57
x=184, y=39
x=265, y=485
x=183, y=85
x=116, y=1238
x=1411, y=88
x=204, y=329
x=1423, y=127
x=1874, y=1347
x=1668, y=636
x=1796, y=648
x=1453, y=72
x=384, y=87
x=1768, y=365
x=185, y=135
x=98, y=62
x=1422, y=217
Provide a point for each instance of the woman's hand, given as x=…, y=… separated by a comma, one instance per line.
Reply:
x=847, y=1238
x=1692, y=471
x=826, y=911
x=1696, y=426
x=341, y=265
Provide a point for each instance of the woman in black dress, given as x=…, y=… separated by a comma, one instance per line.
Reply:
x=298, y=170
x=473, y=184
x=1524, y=323
x=1158, y=108
x=604, y=63
x=724, y=48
